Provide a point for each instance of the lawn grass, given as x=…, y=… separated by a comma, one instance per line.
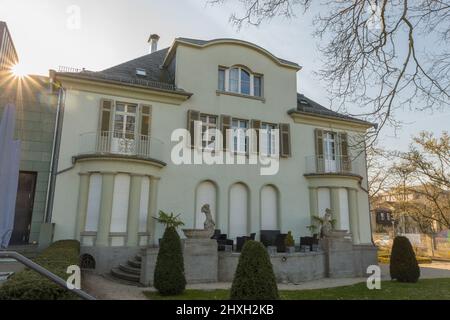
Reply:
x=426, y=289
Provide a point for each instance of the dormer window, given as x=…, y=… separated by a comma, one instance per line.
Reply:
x=141, y=72
x=241, y=81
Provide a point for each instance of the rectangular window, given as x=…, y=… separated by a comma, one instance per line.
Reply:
x=269, y=139
x=257, y=85
x=240, y=139
x=209, y=124
x=125, y=121
x=234, y=80
x=221, y=79
x=245, y=82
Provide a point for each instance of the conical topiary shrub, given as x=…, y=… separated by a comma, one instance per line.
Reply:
x=254, y=278
x=169, y=271
x=403, y=264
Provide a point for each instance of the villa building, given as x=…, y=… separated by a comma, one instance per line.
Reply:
x=115, y=167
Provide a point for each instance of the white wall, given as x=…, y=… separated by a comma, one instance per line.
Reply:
x=119, y=213
x=343, y=203
x=324, y=199
x=269, y=208
x=93, y=206
x=238, y=211
x=143, y=207
x=206, y=194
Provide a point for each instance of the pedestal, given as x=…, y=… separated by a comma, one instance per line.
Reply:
x=201, y=260
x=338, y=248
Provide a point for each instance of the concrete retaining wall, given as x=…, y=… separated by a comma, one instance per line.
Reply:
x=288, y=268
x=203, y=263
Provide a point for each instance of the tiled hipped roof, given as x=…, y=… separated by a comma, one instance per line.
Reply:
x=306, y=105
x=159, y=77
x=156, y=77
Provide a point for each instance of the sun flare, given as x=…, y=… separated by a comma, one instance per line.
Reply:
x=19, y=71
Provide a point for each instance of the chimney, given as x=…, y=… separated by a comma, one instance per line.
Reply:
x=153, y=40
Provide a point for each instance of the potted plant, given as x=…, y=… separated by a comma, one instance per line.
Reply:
x=317, y=224
x=290, y=243
x=169, y=220
x=169, y=277
x=320, y=221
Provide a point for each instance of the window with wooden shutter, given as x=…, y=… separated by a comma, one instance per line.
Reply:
x=285, y=140
x=225, y=127
x=254, y=139
x=191, y=118
x=344, y=152
x=318, y=134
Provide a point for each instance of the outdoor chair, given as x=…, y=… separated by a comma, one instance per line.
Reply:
x=268, y=237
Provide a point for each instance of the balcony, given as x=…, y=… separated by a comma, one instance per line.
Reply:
x=335, y=165
x=122, y=145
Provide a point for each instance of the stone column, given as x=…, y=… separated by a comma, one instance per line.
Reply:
x=152, y=209
x=83, y=194
x=134, y=204
x=335, y=207
x=353, y=213
x=313, y=202
x=106, y=203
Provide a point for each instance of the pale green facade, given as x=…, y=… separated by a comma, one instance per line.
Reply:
x=173, y=188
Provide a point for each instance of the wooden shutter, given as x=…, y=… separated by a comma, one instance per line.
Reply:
x=285, y=140
x=225, y=124
x=105, y=126
x=145, y=120
x=106, y=108
x=191, y=118
x=320, y=163
x=344, y=152
x=254, y=140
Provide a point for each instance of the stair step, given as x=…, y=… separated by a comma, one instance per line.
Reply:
x=130, y=269
x=124, y=275
x=134, y=263
x=138, y=257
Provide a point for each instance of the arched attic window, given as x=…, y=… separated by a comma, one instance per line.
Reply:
x=238, y=79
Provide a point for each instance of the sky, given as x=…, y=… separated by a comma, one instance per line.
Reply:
x=110, y=32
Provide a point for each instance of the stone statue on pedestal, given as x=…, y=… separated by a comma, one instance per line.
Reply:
x=208, y=226
x=209, y=222
x=327, y=225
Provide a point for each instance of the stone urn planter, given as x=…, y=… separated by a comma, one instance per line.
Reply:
x=198, y=233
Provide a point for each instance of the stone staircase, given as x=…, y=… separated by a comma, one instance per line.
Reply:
x=129, y=271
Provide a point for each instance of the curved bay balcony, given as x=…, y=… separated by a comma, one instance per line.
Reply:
x=334, y=165
x=122, y=144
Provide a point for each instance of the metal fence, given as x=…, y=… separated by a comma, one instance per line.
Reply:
x=125, y=143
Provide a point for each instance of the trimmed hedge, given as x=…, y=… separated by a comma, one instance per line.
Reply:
x=403, y=264
x=29, y=285
x=169, y=270
x=254, y=278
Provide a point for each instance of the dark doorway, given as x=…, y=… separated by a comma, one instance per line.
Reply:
x=24, y=208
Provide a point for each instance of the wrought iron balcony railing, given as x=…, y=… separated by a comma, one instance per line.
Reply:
x=122, y=143
x=338, y=164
